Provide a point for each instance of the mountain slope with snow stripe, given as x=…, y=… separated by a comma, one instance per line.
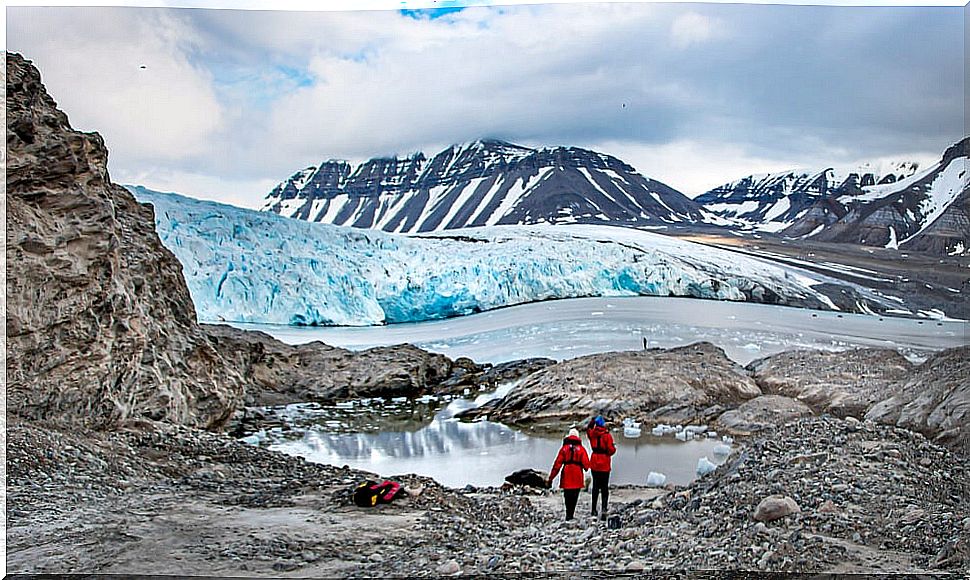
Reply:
x=478, y=184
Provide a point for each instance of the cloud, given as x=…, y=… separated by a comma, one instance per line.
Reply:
x=692, y=28
x=696, y=93
x=126, y=74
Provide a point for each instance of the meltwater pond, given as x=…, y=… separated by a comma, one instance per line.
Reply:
x=422, y=436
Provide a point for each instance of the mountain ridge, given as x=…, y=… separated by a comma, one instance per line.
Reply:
x=484, y=182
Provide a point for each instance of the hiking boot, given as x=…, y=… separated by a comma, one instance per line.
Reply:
x=603, y=516
x=594, y=512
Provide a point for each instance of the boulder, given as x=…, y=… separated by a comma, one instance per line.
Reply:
x=762, y=413
x=843, y=383
x=676, y=385
x=775, y=507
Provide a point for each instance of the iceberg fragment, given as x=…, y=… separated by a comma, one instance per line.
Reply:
x=655, y=479
x=705, y=466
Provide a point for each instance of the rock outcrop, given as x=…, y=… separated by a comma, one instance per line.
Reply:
x=276, y=373
x=695, y=382
x=933, y=400
x=100, y=325
x=761, y=413
x=842, y=383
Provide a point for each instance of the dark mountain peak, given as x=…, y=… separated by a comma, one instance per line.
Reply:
x=959, y=149
x=483, y=182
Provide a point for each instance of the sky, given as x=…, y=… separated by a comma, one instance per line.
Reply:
x=224, y=104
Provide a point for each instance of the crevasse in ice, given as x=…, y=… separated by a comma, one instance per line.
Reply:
x=249, y=266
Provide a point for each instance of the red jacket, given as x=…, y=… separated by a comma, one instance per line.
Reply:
x=573, y=460
x=601, y=442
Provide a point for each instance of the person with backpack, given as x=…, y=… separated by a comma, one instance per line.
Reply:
x=601, y=443
x=573, y=461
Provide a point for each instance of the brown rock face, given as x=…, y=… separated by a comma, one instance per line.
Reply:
x=675, y=385
x=100, y=325
x=933, y=400
x=840, y=383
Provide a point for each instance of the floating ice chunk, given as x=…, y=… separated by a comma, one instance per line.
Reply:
x=657, y=431
x=344, y=404
x=695, y=429
x=425, y=399
x=255, y=438
x=727, y=439
x=705, y=466
x=684, y=435
x=655, y=479
x=712, y=434
x=722, y=449
x=399, y=400
x=631, y=428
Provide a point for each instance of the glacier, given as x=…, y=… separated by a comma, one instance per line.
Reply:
x=257, y=267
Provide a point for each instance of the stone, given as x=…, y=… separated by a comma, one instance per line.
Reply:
x=828, y=507
x=762, y=413
x=634, y=566
x=448, y=568
x=775, y=507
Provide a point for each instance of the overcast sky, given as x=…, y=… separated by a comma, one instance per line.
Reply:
x=223, y=104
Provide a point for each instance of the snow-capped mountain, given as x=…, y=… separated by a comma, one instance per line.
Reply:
x=482, y=183
x=251, y=266
x=771, y=202
x=928, y=211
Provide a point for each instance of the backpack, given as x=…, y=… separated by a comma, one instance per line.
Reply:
x=371, y=493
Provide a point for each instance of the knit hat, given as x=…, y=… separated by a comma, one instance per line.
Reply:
x=573, y=433
x=600, y=421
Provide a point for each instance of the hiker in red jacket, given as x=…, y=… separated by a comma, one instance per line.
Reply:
x=601, y=442
x=573, y=460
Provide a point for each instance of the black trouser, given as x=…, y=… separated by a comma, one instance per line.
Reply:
x=601, y=485
x=571, y=496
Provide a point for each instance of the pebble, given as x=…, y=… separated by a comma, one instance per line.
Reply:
x=448, y=568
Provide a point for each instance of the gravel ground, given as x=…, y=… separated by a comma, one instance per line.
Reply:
x=169, y=500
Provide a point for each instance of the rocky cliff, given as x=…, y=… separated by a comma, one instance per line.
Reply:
x=100, y=325
x=933, y=400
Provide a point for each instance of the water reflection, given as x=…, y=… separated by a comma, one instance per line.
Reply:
x=457, y=453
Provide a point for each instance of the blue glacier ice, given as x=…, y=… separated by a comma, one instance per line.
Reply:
x=249, y=266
